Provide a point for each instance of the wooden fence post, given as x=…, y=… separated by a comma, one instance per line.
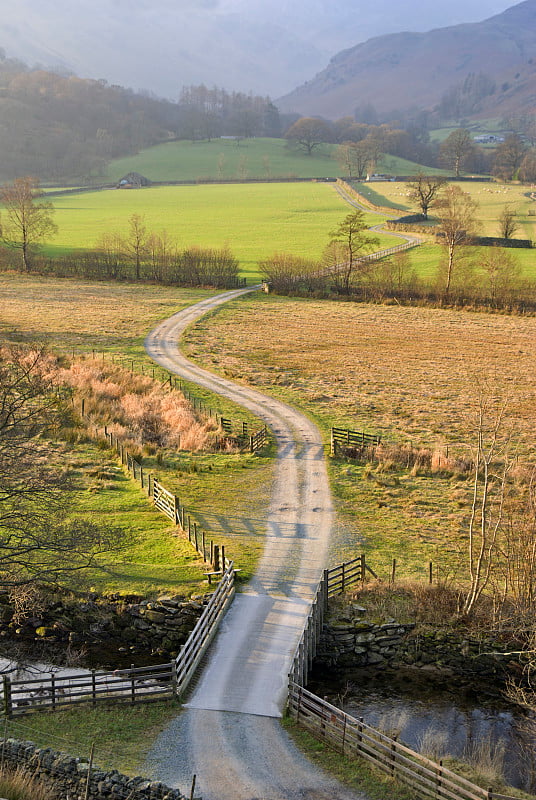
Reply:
x=195, y=536
x=8, y=706
x=90, y=767
x=393, y=754
x=363, y=567
x=132, y=685
x=53, y=690
x=393, y=571
x=93, y=688
x=439, y=773
x=216, y=557
x=430, y=573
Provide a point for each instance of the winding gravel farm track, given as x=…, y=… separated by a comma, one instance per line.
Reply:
x=229, y=735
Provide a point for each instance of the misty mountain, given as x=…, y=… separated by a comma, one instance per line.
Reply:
x=263, y=46
x=407, y=70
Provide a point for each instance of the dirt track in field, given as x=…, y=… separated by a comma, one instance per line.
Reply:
x=229, y=735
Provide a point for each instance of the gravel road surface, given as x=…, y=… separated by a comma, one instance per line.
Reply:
x=229, y=735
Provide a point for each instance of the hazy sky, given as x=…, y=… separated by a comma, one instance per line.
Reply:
x=266, y=46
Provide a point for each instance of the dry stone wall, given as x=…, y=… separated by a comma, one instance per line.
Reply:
x=67, y=776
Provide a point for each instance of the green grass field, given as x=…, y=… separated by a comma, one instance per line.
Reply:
x=255, y=220
x=491, y=198
x=222, y=159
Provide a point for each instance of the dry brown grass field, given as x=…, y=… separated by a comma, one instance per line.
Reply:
x=83, y=314
x=409, y=374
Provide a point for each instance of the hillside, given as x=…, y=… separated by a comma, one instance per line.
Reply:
x=406, y=70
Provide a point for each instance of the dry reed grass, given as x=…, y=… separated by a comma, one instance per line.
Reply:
x=19, y=785
x=136, y=408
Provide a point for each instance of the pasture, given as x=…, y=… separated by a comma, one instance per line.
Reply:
x=411, y=375
x=224, y=159
x=491, y=199
x=255, y=220
x=490, y=196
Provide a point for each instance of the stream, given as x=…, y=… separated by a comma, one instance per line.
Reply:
x=440, y=720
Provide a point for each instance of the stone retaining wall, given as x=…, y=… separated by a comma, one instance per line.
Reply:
x=359, y=643
x=66, y=776
x=108, y=626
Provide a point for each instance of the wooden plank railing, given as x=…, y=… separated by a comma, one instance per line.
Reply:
x=51, y=692
x=343, y=577
x=334, y=581
x=198, y=641
x=344, y=438
x=258, y=440
x=353, y=737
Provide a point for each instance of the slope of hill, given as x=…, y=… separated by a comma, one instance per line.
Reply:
x=250, y=45
x=407, y=70
x=222, y=159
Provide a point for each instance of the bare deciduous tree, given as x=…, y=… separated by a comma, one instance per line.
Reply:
x=40, y=539
x=424, y=189
x=507, y=222
x=456, y=211
x=492, y=465
x=26, y=221
x=456, y=150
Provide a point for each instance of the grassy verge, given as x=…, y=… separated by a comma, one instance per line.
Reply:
x=122, y=734
x=152, y=558
x=354, y=773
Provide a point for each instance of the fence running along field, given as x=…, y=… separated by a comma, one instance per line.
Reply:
x=53, y=692
x=193, y=650
x=169, y=504
x=345, y=439
x=353, y=737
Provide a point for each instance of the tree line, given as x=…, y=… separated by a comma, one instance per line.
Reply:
x=58, y=126
x=137, y=253
x=466, y=274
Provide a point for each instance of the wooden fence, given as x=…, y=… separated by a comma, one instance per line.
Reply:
x=353, y=737
x=52, y=692
x=344, y=439
x=169, y=504
x=341, y=578
x=195, y=647
x=333, y=582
